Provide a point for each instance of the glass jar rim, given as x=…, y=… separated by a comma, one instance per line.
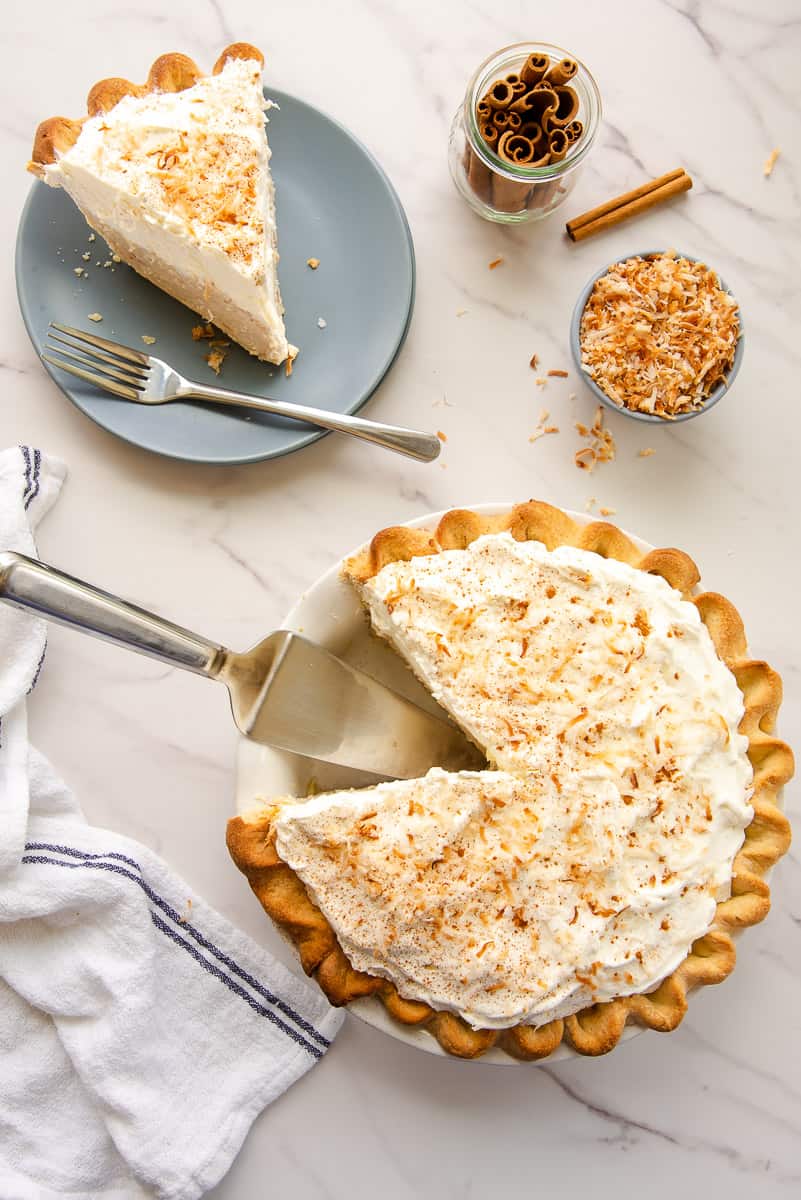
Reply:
x=512, y=170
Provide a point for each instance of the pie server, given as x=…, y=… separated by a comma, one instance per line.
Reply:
x=286, y=692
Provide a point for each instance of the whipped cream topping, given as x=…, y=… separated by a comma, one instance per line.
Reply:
x=585, y=866
x=184, y=176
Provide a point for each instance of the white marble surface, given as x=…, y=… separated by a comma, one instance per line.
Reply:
x=714, y=1108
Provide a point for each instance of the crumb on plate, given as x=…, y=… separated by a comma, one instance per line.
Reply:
x=313, y=263
x=646, y=452
x=215, y=358
x=199, y=332
x=96, y=317
x=148, y=339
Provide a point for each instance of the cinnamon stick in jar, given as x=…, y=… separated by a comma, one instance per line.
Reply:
x=562, y=72
x=534, y=68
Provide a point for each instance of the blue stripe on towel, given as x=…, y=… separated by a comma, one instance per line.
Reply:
x=93, y=861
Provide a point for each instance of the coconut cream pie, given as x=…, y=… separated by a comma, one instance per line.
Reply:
x=595, y=871
x=175, y=175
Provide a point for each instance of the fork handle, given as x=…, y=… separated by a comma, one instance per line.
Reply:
x=412, y=442
x=31, y=584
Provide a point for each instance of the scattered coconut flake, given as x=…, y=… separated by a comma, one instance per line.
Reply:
x=92, y=237
x=658, y=334
x=86, y=256
x=96, y=317
x=321, y=323
x=540, y=381
x=496, y=262
x=646, y=452
x=313, y=263
x=148, y=339
x=107, y=263
x=590, y=504
x=460, y=312
x=601, y=446
x=607, y=512
x=770, y=162
x=442, y=437
x=116, y=258
x=78, y=271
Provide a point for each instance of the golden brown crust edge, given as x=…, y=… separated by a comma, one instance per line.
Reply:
x=596, y=1029
x=170, y=73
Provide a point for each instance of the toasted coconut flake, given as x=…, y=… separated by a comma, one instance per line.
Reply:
x=148, y=339
x=313, y=263
x=534, y=362
x=215, y=358
x=658, y=334
x=496, y=262
x=770, y=162
x=95, y=316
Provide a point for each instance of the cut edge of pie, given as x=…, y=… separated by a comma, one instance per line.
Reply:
x=596, y=1029
x=254, y=319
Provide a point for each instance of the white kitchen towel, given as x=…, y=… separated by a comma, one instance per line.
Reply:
x=140, y=1033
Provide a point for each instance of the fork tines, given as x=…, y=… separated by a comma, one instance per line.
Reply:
x=106, y=364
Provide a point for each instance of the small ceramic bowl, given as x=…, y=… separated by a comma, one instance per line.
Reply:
x=575, y=345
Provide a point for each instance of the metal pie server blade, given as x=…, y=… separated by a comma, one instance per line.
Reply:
x=312, y=703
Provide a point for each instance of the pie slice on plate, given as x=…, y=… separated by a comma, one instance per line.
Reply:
x=596, y=870
x=175, y=175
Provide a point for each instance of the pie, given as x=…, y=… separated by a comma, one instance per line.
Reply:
x=175, y=175
x=595, y=871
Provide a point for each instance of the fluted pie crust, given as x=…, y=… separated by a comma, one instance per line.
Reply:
x=598, y=1028
x=170, y=73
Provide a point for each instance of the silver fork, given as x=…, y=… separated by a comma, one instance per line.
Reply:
x=132, y=375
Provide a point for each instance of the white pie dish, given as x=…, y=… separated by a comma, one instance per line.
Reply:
x=331, y=613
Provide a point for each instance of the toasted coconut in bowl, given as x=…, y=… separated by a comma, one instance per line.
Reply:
x=657, y=336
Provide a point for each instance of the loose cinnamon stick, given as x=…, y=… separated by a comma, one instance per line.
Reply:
x=629, y=204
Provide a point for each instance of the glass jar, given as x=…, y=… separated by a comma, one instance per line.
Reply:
x=503, y=191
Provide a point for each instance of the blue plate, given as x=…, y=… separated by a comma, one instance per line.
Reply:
x=334, y=203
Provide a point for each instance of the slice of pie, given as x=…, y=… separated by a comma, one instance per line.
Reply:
x=175, y=175
x=622, y=830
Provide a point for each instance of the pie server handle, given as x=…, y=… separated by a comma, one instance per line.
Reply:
x=33, y=585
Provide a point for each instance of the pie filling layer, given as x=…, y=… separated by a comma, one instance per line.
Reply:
x=179, y=183
x=587, y=863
